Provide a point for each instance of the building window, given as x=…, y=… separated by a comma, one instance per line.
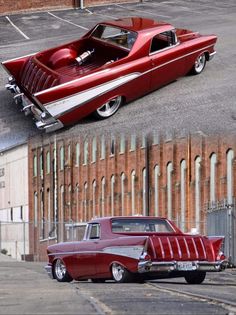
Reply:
x=2, y=172
x=77, y=154
x=122, y=178
x=94, y=198
x=230, y=179
x=94, y=149
x=103, y=148
x=103, y=196
x=144, y=141
x=113, y=144
x=42, y=215
x=155, y=138
x=21, y=213
x=197, y=192
x=112, y=195
x=62, y=158
x=70, y=201
x=133, y=142
x=144, y=192
x=49, y=211
x=122, y=144
x=41, y=164
x=156, y=189
x=213, y=161
x=85, y=152
x=133, y=178
x=11, y=215
x=85, y=201
x=61, y=218
x=35, y=209
x=169, y=169
x=35, y=166
x=69, y=155
x=182, y=194
x=48, y=162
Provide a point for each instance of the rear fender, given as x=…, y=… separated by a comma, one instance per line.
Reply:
x=217, y=246
x=14, y=66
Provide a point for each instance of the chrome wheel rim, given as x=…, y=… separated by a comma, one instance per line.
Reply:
x=200, y=63
x=110, y=107
x=60, y=269
x=117, y=272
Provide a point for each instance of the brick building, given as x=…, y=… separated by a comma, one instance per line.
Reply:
x=10, y=6
x=73, y=179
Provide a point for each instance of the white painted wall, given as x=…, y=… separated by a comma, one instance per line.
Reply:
x=14, y=209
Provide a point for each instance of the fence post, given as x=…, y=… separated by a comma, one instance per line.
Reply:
x=0, y=236
x=24, y=240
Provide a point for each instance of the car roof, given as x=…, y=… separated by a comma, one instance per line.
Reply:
x=137, y=24
x=99, y=219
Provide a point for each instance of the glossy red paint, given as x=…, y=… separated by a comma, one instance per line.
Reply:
x=143, y=55
x=147, y=247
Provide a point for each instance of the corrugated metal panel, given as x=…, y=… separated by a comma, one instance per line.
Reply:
x=221, y=221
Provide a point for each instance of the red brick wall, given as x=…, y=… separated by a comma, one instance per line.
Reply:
x=11, y=6
x=159, y=154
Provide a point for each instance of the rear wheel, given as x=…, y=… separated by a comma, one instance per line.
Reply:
x=195, y=277
x=120, y=273
x=60, y=272
x=109, y=108
x=199, y=64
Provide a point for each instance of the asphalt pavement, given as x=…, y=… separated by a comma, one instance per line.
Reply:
x=198, y=104
x=25, y=288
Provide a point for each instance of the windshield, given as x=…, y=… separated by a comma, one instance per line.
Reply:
x=117, y=36
x=141, y=225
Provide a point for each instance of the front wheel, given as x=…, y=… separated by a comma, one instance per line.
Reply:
x=109, y=108
x=199, y=64
x=60, y=272
x=120, y=274
x=195, y=277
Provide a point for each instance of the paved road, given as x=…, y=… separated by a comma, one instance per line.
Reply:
x=26, y=289
x=204, y=103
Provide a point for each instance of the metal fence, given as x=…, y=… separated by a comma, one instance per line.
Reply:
x=221, y=220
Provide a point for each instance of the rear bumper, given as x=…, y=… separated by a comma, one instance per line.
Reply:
x=212, y=55
x=149, y=266
x=43, y=120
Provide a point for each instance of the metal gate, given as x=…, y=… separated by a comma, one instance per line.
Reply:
x=221, y=221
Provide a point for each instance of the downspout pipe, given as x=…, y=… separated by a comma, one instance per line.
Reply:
x=82, y=4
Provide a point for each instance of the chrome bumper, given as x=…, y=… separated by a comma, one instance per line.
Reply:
x=149, y=266
x=212, y=55
x=43, y=120
x=48, y=268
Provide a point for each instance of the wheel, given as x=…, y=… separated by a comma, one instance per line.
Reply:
x=98, y=280
x=120, y=274
x=195, y=277
x=199, y=64
x=60, y=272
x=108, y=109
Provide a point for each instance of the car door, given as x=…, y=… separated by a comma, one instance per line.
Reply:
x=166, y=57
x=86, y=252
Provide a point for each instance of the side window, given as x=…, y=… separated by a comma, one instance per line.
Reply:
x=94, y=231
x=163, y=40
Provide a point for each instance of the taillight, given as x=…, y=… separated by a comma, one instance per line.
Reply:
x=145, y=256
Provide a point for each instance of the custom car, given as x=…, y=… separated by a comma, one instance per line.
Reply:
x=115, y=62
x=135, y=249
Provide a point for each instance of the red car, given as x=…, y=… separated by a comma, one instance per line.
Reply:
x=135, y=248
x=116, y=62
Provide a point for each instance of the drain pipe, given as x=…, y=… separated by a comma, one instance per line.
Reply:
x=82, y=4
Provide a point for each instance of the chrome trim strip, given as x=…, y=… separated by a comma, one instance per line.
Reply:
x=65, y=105
x=173, y=60
x=186, y=244
x=179, y=249
x=170, y=248
x=203, y=248
x=162, y=249
x=195, y=247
